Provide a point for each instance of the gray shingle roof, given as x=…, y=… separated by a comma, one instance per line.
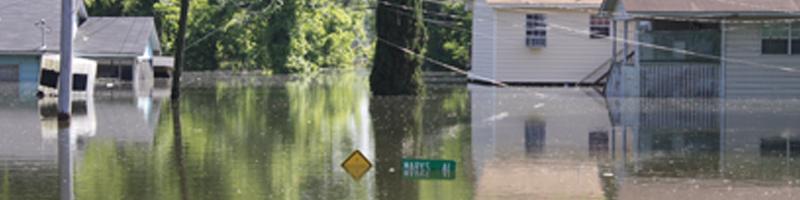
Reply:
x=123, y=36
x=18, y=34
x=117, y=36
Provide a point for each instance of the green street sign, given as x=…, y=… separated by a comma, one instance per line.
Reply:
x=429, y=169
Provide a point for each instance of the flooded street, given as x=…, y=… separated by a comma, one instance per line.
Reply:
x=258, y=138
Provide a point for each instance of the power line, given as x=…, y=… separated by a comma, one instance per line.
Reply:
x=442, y=64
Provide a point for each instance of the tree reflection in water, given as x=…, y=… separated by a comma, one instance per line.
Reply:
x=282, y=141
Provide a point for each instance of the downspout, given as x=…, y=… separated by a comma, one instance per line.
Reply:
x=723, y=95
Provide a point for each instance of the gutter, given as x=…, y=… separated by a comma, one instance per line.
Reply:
x=547, y=5
x=23, y=53
x=714, y=14
x=102, y=55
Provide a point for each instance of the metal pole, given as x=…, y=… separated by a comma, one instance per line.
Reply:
x=65, y=163
x=64, y=102
x=65, y=78
x=179, y=46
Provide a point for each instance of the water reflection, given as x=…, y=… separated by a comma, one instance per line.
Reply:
x=234, y=140
x=632, y=148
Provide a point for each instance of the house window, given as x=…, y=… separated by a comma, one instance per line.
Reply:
x=49, y=78
x=9, y=73
x=535, y=30
x=80, y=82
x=599, y=27
x=780, y=38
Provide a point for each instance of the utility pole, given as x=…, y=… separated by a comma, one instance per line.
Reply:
x=65, y=76
x=179, y=46
x=65, y=149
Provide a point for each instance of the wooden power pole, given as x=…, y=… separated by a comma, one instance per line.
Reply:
x=179, y=46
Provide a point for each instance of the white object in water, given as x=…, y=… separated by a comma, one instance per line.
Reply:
x=84, y=72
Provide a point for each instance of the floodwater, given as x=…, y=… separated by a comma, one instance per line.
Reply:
x=257, y=138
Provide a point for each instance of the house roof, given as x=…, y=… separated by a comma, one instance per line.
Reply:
x=545, y=3
x=121, y=36
x=20, y=35
x=741, y=7
x=118, y=36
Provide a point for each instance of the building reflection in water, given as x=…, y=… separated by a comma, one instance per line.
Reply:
x=36, y=154
x=664, y=148
x=538, y=143
x=535, y=133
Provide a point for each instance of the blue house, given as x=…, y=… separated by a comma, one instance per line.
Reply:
x=122, y=46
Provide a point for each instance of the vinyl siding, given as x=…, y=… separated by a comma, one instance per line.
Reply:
x=28, y=74
x=570, y=54
x=753, y=75
x=483, y=25
x=28, y=66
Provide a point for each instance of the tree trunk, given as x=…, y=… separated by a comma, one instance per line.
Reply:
x=176, y=78
x=400, y=46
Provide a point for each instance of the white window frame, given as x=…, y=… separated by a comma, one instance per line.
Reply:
x=790, y=36
x=593, y=25
x=535, y=23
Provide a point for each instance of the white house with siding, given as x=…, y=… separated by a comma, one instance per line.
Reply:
x=712, y=48
x=550, y=42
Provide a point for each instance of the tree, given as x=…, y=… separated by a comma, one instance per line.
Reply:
x=120, y=7
x=449, y=25
x=281, y=36
x=400, y=46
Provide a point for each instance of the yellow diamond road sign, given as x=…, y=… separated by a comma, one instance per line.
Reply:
x=356, y=165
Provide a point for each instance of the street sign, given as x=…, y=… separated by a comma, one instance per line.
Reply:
x=429, y=169
x=356, y=165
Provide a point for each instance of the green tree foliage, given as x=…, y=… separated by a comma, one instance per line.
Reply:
x=449, y=25
x=277, y=35
x=120, y=7
x=401, y=44
x=281, y=36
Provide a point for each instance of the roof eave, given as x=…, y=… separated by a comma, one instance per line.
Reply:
x=23, y=53
x=712, y=14
x=545, y=5
x=108, y=55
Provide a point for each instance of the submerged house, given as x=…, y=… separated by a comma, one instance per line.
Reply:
x=542, y=42
x=708, y=48
x=698, y=64
x=122, y=46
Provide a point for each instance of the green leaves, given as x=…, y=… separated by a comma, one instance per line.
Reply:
x=283, y=36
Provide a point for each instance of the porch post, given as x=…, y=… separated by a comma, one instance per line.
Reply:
x=625, y=45
x=614, y=41
x=637, y=46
